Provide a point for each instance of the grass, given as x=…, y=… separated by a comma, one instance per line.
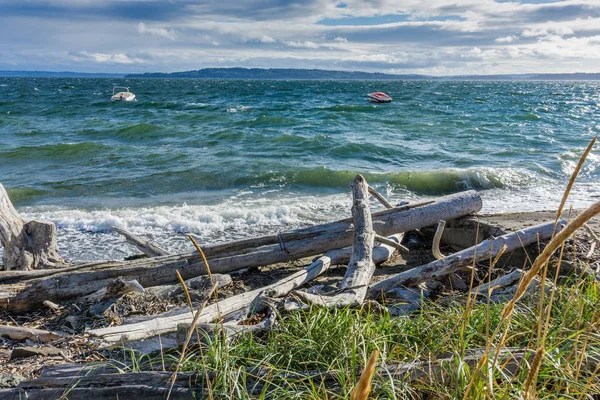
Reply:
x=326, y=348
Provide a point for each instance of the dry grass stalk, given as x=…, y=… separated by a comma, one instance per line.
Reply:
x=540, y=264
x=194, y=321
x=363, y=386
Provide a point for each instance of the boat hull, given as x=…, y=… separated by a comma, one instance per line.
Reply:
x=123, y=96
x=379, y=97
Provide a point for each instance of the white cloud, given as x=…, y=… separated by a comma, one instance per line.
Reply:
x=267, y=39
x=160, y=32
x=507, y=39
x=300, y=44
x=103, y=58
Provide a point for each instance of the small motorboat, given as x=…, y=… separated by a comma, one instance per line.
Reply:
x=379, y=97
x=122, y=93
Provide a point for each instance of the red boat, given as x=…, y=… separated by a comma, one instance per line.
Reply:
x=379, y=97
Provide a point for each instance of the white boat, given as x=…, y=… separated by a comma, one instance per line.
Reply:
x=122, y=93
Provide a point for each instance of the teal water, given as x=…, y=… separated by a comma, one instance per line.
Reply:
x=228, y=159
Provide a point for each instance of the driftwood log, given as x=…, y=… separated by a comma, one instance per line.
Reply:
x=144, y=246
x=353, y=287
x=27, y=245
x=31, y=288
x=160, y=325
x=485, y=250
x=100, y=381
x=21, y=333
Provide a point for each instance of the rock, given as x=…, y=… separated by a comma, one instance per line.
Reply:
x=30, y=351
x=10, y=380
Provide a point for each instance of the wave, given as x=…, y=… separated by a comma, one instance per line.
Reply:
x=59, y=150
x=527, y=117
x=86, y=234
x=351, y=108
x=420, y=182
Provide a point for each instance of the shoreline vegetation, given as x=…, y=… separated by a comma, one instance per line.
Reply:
x=467, y=309
x=301, y=74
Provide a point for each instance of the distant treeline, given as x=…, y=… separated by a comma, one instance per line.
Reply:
x=299, y=74
x=302, y=74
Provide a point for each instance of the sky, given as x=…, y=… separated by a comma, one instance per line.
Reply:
x=436, y=37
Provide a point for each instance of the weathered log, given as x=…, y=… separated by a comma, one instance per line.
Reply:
x=435, y=246
x=380, y=197
x=21, y=333
x=231, y=330
x=27, y=245
x=500, y=282
x=99, y=382
x=198, y=287
x=485, y=250
x=392, y=243
x=116, y=288
x=144, y=246
x=28, y=294
x=161, y=325
x=353, y=287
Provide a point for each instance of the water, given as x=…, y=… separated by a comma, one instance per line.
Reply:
x=231, y=159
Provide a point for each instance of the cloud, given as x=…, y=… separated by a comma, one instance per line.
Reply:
x=409, y=36
x=118, y=58
x=299, y=44
x=267, y=39
x=160, y=32
x=507, y=39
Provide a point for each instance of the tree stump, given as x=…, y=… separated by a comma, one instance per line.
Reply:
x=27, y=245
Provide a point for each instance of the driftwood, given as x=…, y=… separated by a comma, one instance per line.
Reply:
x=80, y=281
x=161, y=325
x=435, y=246
x=51, y=305
x=100, y=381
x=116, y=288
x=144, y=246
x=511, y=278
x=22, y=333
x=229, y=331
x=198, y=287
x=485, y=250
x=353, y=287
x=27, y=245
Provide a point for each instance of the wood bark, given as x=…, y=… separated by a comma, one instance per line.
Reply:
x=485, y=250
x=100, y=382
x=29, y=293
x=144, y=246
x=511, y=278
x=160, y=325
x=27, y=245
x=353, y=287
x=21, y=333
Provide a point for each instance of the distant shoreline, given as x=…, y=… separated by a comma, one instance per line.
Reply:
x=301, y=74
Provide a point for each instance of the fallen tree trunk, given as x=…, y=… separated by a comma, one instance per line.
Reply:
x=144, y=246
x=27, y=245
x=160, y=325
x=485, y=250
x=353, y=287
x=27, y=294
x=101, y=382
x=21, y=333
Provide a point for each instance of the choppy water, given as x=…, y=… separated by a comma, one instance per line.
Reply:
x=229, y=159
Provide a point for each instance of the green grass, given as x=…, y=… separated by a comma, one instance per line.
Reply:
x=339, y=341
